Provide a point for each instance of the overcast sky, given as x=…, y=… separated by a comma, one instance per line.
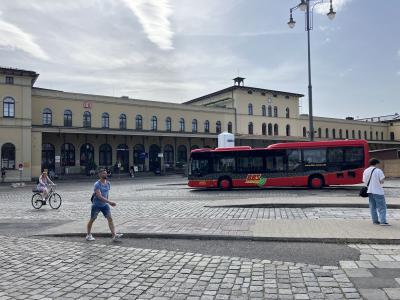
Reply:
x=176, y=50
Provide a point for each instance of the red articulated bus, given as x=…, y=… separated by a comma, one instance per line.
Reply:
x=294, y=164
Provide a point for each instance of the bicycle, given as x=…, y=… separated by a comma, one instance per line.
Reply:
x=53, y=197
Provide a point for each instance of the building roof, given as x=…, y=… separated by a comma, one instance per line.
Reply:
x=19, y=72
x=236, y=87
x=386, y=118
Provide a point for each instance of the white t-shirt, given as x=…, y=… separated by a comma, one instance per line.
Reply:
x=375, y=186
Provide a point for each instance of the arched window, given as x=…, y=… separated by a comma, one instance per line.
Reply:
x=182, y=154
x=168, y=156
x=340, y=134
x=47, y=117
x=8, y=156
x=67, y=118
x=377, y=135
x=276, y=129
x=263, y=111
x=269, y=129
x=139, y=156
x=182, y=124
x=122, y=121
x=264, y=129
x=371, y=136
x=105, y=120
x=327, y=133
x=382, y=135
x=48, y=157
x=230, y=127
x=320, y=132
x=86, y=155
x=250, y=107
x=353, y=134
x=269, y=111
x=8, y=107
x=67, y=155
x=359, y=134
x=139, y=122
x=168, y=124
x=275, y=111
x=123, y=157
x=304, y=131
x=250, y=128
x=288, y=130
x=194, y=125
x=154, y=159
x=218, y=127
x=365, y=135
x=334, y=133
x=87, y=119
x=153, y=124
x=206, y=126
x=287, y=112
x=105, y=155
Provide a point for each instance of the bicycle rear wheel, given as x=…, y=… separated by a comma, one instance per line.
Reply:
x=37, y=200
x=55, y=201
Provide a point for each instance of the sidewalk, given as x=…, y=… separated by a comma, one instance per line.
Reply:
x=322, y=230
x=321, y=201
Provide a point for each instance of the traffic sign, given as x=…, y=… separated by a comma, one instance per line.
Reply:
x=20, y=166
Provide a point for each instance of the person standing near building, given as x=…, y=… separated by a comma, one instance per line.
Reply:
x=377, y=203
x=102, y=204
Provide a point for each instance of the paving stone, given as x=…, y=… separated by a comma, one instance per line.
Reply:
x=392, y=293
x=373, y=294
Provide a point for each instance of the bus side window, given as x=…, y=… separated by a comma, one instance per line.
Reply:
x=224, y=164
x=294, y=159
x=275, y=163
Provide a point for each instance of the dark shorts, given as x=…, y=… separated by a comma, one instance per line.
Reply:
x=104, y=209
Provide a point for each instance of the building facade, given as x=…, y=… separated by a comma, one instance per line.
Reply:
x=76, y=133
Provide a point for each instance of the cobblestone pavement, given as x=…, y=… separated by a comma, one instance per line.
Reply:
x=143, y=201
x=377, y=274
x=40, y=269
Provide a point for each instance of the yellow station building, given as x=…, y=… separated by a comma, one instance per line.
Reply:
x=73, y=133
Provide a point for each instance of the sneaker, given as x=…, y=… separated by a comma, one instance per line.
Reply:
x=90, y=237
x=117, y=236
x=385, y=224
x=376, y=223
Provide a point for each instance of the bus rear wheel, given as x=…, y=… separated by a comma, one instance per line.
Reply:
x=225, y=183
x=316, y=182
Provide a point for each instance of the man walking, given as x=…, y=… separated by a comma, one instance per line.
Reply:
x=102, y=204
x=377, y=204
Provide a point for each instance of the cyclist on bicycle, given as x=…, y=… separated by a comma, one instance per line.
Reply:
x=44, y=182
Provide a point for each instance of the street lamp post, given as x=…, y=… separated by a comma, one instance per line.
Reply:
x=308, y=7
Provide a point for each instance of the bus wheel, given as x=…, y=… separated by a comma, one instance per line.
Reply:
x=316, y=182
x=225, y=183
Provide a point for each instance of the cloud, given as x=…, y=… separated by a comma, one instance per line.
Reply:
x=153, y=16
x=12, y=37
x=338, y=5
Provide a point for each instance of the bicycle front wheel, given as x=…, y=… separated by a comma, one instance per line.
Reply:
x=55, y=201
x=37, y=200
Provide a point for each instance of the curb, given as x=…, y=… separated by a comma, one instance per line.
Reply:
x=300, y=205
x=236, y=238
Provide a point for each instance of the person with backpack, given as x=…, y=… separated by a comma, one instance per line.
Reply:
x=101, y=203
x=373, y=176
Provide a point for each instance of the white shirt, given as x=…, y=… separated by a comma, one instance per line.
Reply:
x=375, y=186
